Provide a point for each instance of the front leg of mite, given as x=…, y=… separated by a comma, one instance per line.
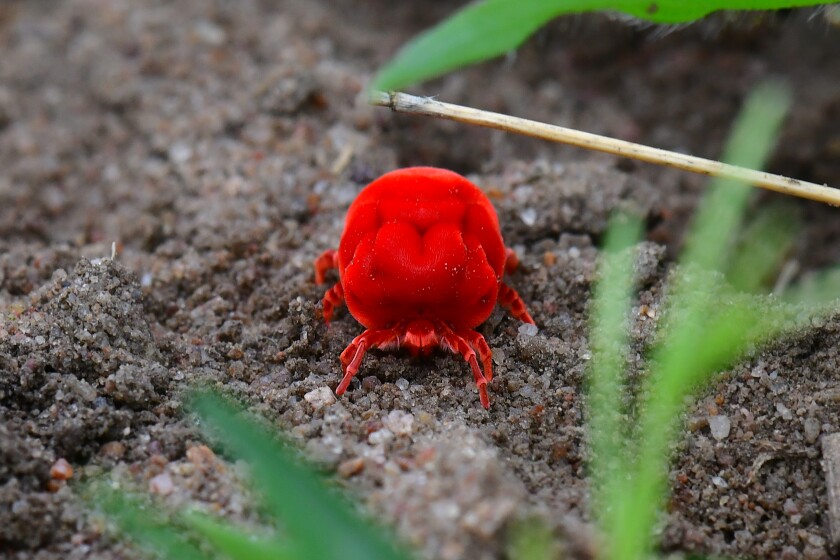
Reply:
x=480, y=345
x=456, y=343
x=351, y=358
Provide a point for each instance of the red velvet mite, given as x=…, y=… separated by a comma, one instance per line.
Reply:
x=421, y=262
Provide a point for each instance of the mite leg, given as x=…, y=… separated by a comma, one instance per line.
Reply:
x=352, y=356
x=456, y=343
x=480, y=345
x=332, y=299
x=510, y=300
x=323, y=264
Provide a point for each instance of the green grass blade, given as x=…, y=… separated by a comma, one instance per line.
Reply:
x=683, y=11
x=144, y=524
x=532, y=539
x=490, y=28
x=475, y=33
x=609, y=340
x=764, y=244
x=748, y=146
x=234, y=542
x=321, y=524
x=700, y=335
x=816, y=290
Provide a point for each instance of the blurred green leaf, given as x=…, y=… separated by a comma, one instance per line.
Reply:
x=235, y=542
x=609, y=342
x=532, y=539
x=705, y=332
x=490, y=28
x=320, y=523
x=144, y=524
x=707, y=325
x=817, y=289
x=721, y=209
x=761, y=249
x=316, y=523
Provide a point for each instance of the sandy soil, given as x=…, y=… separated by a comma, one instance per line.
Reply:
x=219, y=144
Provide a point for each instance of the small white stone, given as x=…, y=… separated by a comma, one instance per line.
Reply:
x=210, y=33
x=527, y=392
x=527, y=329
x=784, y=411
x=401, y=383
x=320, y=397
x=380, y=436
x=180, y=152
x=812, y=430
x=399, y=422
x=161, y=485
x=720, y=426
x=498, y=356
x=445, y=510
x=528, y=216
x=719, y=482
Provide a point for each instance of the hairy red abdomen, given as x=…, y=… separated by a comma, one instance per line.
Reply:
x=421, y=243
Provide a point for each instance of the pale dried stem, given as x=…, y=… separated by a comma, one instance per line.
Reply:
x=403, y=103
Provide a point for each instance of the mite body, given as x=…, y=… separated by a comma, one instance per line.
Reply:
x=421, y=264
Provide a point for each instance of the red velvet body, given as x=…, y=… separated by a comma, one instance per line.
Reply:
x=421, y=243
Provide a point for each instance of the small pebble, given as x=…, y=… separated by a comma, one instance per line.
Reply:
x=61, y=470
x=811, y=428
x=720, y=482
x=399, y=422
x=320, y=397
x=784, y=411
x=527, y=392
x=180, y=152
x=719, y=426
x=210, y=33
x=161, y=485
x=528, y=216
x=201, y=456
x=380, y=436
x=371, y=382
x=527, y=329
x=498, y=356
x=351, y=467
x=112, y=450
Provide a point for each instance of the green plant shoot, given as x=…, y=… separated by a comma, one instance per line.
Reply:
x=707, y=325
x=306, y=520
x=490, y=28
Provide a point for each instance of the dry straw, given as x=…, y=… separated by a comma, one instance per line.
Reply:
x=403, y=103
